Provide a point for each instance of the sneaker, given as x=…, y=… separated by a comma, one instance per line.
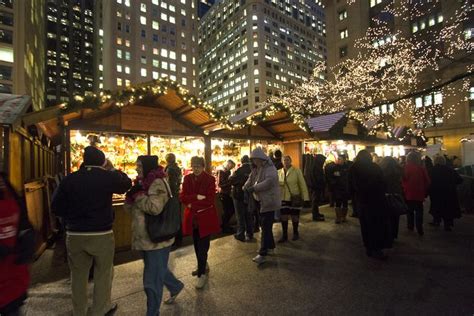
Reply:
x=195, y=272
x=173, y=297
x=259, y=259
x=201, y=282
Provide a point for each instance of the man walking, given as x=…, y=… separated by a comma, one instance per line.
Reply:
x=84, y=201
x=224, y=189
x=241, y=199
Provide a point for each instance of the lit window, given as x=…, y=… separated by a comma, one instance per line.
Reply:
x=119, y=82
x=173, y=67
x=419, y=102
x=164, y=17
x=156, y=63
x=155, y=75
x=127, y=56
x=172, y=20
x=143, y=72
x=440, y=18
x=254, y=18
x=164, y=52
x=127, y=70
x=127, y=82
x=172, y=55
x=183, y=57
x=119, y=53
x=164, y=65
x=414, y=28
x=432, y=21
x=119, y=68
x=6, y=54
x=471, y=93
x=342, y=15
x=183, y=70
x=155, y=25
x=127, y=43
x=438, y=98
x=127, y=3
x=184, y=81
x=143, y=7
x=344, y=33
x=143, y=20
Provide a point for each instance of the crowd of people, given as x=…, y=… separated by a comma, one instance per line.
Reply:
x=261, y=190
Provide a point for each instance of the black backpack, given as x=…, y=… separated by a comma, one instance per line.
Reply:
x=164, y=226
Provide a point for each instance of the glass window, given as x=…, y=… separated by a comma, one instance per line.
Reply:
x=143, y=20
x=472, y=113
x=419, y=102
x=438, y=98
x=6, y=54
x=471, y=93
x=143, y=72
x=143, y=7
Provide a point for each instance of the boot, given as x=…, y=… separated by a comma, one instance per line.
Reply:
x=338, y=215
x=344, y=214
x=296, y=234
x=284, y=228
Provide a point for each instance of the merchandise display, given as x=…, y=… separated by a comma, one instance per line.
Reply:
x=223, y=150
x=331, y=149
x=183, y=147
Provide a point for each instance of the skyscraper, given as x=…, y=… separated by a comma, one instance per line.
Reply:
x=251, y=49
x=69, y=49
x=22, y=49
x=148, y=40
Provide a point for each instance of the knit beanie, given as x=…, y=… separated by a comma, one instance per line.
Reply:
x=93, y=156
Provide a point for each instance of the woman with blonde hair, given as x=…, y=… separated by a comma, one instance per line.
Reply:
x=294, y=193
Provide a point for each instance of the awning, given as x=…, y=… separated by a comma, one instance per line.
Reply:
x=12, y=107
x=325, y=122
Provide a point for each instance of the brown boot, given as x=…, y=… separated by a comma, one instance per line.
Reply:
x=344, y=214
x=338, y=215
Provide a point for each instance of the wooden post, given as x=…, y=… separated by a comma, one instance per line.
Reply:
x=208, y=153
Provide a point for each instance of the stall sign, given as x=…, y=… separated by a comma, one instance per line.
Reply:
x=142, y=118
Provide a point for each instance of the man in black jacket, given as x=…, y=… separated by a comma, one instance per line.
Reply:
x=224, y=188
x=240, y=198
x=84, y=201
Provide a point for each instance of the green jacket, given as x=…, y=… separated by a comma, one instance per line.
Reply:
x=296, y=184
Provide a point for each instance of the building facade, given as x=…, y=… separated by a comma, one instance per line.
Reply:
x=204, y=6
x=145, y=40
x=22, y=49
x=251, y=49
x=69, y=49
x=346, y=23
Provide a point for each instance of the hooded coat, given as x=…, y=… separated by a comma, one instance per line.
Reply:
x=264, y=184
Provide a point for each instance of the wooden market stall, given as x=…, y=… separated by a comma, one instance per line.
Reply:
x=29, y=160
x=154, y=118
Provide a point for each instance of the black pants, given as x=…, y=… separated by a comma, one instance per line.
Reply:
x=266, y=240
x=415, y=215
x=316, y=198
x=228, y=209
x=201, y=247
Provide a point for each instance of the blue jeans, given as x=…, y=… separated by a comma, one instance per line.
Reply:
x=155, y=275
x=244, y=219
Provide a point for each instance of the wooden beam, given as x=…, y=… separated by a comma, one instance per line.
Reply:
x=278, y=121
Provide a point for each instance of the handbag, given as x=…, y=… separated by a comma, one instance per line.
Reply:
x=396, y=204
x=164, y=226
x=295, y=199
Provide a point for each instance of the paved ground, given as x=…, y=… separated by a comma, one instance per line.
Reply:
x=325, y=273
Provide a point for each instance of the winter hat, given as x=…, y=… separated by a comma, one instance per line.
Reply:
x=149, y=163
x=93, y=156
x=245, y=159
x=258, y=153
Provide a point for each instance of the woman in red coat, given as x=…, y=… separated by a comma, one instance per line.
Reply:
x=200, y=215
x=16, y=247
x=416, y=183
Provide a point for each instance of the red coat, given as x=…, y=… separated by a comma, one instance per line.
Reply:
x=416, y=182
x=14, y=278
x=201, y=213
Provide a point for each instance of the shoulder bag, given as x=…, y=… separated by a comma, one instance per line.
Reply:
x=164, y=226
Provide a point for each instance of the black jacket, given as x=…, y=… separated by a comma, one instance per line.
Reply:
x=84, y=198
x=175, y=177
x=238, y=179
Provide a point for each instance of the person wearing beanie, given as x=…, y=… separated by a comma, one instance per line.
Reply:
x=241, y=201
x=263, y=185
x=84, y=201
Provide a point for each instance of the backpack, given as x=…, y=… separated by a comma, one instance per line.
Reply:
x=164, y=226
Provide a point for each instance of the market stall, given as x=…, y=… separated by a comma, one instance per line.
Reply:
x=29, y=161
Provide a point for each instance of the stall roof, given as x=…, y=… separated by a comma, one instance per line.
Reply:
x=12, y=107
x=325, y=122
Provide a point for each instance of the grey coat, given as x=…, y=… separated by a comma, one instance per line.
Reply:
x=264, y=183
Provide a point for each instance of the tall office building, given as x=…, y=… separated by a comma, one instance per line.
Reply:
x=22, y=32
x=69, y=49
x=348, y=22
x=204, y=6
x=250, y=49
x=148, y=39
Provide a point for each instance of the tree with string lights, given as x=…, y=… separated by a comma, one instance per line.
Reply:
x=394, y=65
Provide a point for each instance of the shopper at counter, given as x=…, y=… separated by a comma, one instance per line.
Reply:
x=224, y=190
x=200, y=215
x=241, y=201
x=84, y=201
